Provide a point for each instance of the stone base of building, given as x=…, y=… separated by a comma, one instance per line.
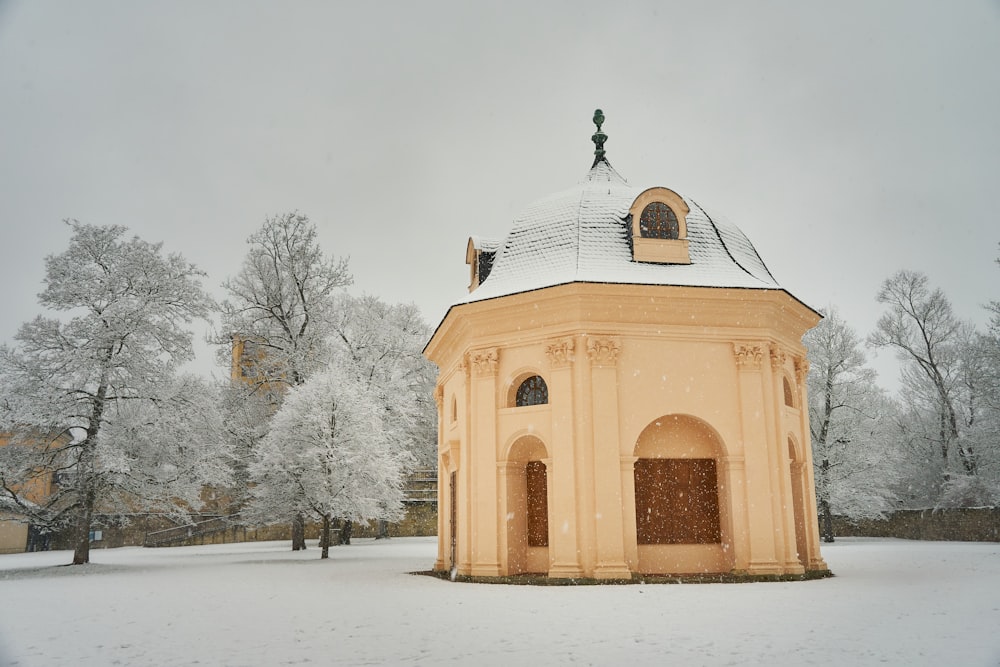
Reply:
x=612, y=571
x=708, y=578
x=565, y=571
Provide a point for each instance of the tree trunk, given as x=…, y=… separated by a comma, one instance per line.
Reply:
x=345, y=531
x=85, y=471
x=81, y=535
x=382, y=530
x=826, y=527
x=298, y=533
x=324, y=540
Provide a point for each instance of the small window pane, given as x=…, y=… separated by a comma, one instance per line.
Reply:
x=532, y=391
x=658, y=222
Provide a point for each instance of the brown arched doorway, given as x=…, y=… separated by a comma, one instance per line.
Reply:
x=527, y=516
x=680, y=502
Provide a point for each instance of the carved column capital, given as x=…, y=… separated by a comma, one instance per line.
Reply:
x=777, y=358
x=484, y=362
x=560, y=352
x=439, y=396
x=801, y=369
x=749, y=356
x=603, y=351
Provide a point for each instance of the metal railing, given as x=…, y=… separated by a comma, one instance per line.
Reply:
x=217, y=524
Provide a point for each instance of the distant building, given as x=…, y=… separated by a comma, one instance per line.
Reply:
x=623, y=391
x=17, y=534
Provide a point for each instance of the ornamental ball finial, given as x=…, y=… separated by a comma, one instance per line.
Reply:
x=599, y=137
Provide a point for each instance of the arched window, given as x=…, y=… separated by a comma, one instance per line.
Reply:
x=454, y=409
x=532, y=391
x=658, y=221
x=789, y=397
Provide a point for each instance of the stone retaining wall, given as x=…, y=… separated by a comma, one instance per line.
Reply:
x=980, y=524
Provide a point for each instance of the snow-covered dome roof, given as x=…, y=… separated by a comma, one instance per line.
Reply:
x=583, y=235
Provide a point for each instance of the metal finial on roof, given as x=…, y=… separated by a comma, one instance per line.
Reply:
x=599, y=137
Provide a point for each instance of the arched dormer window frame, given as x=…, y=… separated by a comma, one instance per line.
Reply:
x=479, y=255
x=659, y=250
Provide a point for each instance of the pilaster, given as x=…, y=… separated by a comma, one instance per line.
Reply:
x=609, y=529
x=782, y=497
x=626, y=468
x=482, y=461
x=763, y=557
x=564, y=548
x=510, y=563
x=732, y=469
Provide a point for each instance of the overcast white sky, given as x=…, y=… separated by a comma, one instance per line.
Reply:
x=847, y=140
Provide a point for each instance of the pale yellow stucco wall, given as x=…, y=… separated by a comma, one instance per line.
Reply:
x=13, y=536
x=710, y=362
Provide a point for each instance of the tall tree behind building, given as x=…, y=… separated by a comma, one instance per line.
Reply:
x=850, y=419
x=281, y=303
x=329, y=455
x=381, y=345
x=942, y=382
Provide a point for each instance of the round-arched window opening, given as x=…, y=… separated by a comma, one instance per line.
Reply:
x=789, y=397
x=532, y=391
x=658, y=221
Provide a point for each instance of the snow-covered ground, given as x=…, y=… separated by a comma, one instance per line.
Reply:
x=892, y=602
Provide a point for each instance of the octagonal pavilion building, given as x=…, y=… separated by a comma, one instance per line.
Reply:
x=623, y=391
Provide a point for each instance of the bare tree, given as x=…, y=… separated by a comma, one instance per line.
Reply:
x=104, y=376
x=282, y=299
x=281, y=303
x=920, y=325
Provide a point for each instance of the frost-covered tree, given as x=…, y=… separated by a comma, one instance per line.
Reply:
x=928, y=338
x=281, y=303
x=103, y=376
x=977, y=391
x=328, y=454
x=380, y=344
x=282, y=299
x=854, y=450
x=246, y=410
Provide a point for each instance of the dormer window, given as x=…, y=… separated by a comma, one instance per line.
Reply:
x=658, y=222
x=658, y=227
x=479, y=255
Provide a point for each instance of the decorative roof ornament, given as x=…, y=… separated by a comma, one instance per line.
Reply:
x=599, y=138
